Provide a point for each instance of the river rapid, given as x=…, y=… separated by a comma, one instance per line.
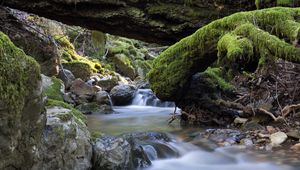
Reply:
x=148, y=114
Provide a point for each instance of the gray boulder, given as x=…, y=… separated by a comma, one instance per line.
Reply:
x=66, y=142
x=111, y=153
x=122, y=94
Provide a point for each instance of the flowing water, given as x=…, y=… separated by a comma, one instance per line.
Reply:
x=140, y=117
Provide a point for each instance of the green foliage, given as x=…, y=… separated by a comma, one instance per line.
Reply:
x=19, y=75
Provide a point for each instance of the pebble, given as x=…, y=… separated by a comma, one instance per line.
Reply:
x=239, y=120
x=294, y=134
x=278, y=138
x=296, y=147
x=271, y=129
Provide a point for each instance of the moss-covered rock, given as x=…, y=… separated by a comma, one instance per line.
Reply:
x=259, y=33
x=79, y=117
x=124, y=66
x=81, y=67
x=20, y=106
x=53, y=90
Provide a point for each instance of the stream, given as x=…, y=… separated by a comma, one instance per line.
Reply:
x=148, y=114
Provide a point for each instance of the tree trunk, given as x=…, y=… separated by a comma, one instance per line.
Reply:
x=162, y=22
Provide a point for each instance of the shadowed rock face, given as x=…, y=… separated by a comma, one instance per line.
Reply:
x=163, y=22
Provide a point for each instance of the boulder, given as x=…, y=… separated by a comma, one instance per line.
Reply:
x=66, y=141
x=79, y=87
x=103, y=99
x=107, y=83
x=111, y=153
x=124, y=65
x=122, y=94
x=94, y=108
x=21, y=107
x=67, y=77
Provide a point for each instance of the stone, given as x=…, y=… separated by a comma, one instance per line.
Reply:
x=107, y=83
x=111, y=153
x=79, y=87
x=278, y=138
x=296, y=147
x=124, y=65
x=247, y=142
x=102, y=97
x=66, y=142
x=239, y=120
x=21, y=107
x=271, y=129
x=294, y=134
x=68, y=97
x=67, y=77
x=252, y=125
x=91, y=108
x=122, y=94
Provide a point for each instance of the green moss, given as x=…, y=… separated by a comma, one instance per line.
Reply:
x=285, y=2
x=216, y=79
x=64, y=116
x=233, y=46
x=64, y=41
x=54, y=91
x=124, y=65
x=175, y=66
x=80, y=69
x=19, y=75
x=79, y=117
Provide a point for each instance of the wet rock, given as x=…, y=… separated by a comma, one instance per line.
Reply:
x=66, y=142
x=89, y=108
x=102, y=98
x=67, y=77
x=296, y=147
x=247, y=142
x=278, y=138
x=107, y=83
x=79, y=87
x=252, y=125
x=294, y=134
x=111, y=153
x=122, y=94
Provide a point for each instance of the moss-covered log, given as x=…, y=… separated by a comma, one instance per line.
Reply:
x=260, y=36
x=163, y=22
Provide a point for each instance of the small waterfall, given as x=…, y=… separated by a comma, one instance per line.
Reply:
x=146, y=97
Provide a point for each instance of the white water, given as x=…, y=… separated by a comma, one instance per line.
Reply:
x=145, y=97
x=145, y=118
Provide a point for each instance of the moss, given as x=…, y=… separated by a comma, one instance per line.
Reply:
x=79, y=117
x=216, y=79
x=174, y=67
x=54, y=90
x=143, y=67
x=74, y=61
x=233, y=46
x=64, y=41
x=285, y=2
x=99, y=41
x=80, y=69
x=19, y=75
x=64, y=116
x=124, y=65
